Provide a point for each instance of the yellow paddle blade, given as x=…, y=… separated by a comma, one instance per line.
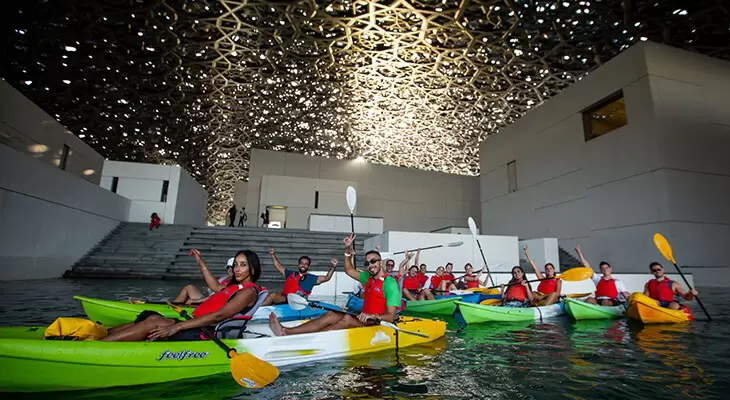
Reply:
x=577, y=295
x=483, y=290
x=663, y=245
x=576, y=274
x=250, y=371
x=491, y=302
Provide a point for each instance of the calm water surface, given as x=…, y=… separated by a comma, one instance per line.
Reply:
x=553, y=360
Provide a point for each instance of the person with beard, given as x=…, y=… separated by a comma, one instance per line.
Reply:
x=300, y=281
x=663, y=289
x=382, y=298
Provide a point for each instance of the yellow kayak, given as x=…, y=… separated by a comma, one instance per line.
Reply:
x=646, y=310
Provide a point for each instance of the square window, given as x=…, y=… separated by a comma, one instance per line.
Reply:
x=605, y=116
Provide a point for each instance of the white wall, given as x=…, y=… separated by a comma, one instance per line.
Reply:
x=28, y=129
x=665, y=171
x=542, y=251
x=142, y=184
x=497, y=249
x=407, y=199
x=50, y=218
x=192, y=200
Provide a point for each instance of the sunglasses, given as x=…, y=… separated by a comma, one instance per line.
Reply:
x=371, y=261
x=656, y=269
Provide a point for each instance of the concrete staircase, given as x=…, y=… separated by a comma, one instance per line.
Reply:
x=132, y=251
x=217, y=245
x=567, y=260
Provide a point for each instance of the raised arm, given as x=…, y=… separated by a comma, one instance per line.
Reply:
x=581, y=257
x=326, y=278
x=276, y=262
x=534, y=267
x=210, y=280
x=418, y=254
x=403, y=266
x=350, y=269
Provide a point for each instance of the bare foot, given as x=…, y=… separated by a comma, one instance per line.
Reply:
x=275, y=325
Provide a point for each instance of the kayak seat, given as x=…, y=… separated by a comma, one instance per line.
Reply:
x=234, y=327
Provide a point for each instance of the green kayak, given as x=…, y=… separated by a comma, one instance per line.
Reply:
x=478, y=313
x=445, y=306
x=114, y=313
x=30, y=364
x=581, y=310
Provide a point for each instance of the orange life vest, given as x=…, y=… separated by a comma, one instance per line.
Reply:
x=547, y=286
x=291, y=285
x=607, y=288
x=374, y=301
x=661, y=290
x=516, y=292
x=220, y=299
x=471, y=284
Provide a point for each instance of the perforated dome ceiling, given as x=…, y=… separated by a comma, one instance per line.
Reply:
x=409, y=83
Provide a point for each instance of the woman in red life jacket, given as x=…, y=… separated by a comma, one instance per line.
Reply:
x=411, y=285
x=663, y=289
x=519, y=292
x=239, y=297
x=548, y=291
x=190, y=294
x=155, y=221
x=381, y=300
x=470, y=280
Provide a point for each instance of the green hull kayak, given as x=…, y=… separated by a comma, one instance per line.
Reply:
x=478, y=313
x=435, y=307
x=114, y=313
x=581, y=310
x=30, y=364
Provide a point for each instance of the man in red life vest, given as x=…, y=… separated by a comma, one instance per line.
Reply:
x=663, y=289
x=300, y=282
x=548, y=291
x=609, y=291
x=382, y=298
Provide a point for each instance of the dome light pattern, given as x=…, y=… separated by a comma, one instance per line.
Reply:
x=409, y=83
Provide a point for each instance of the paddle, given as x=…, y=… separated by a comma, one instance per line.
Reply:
x=662, y=244
x=452, y=244
x=351, y=197
x=247, y=370
x=571, y=275
x=473, y=229
x=297, y=302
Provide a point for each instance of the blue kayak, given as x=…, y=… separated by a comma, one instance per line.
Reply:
x=465, y=298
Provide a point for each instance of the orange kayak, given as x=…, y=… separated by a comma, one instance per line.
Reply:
x=646, y=310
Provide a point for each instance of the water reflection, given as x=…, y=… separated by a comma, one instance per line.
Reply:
x=673, y=363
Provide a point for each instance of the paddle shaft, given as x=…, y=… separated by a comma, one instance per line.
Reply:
x=375, y=320
x=485, y=260
x=352, y=225
x=690, y=288
x=422, y=248
x=207, y=334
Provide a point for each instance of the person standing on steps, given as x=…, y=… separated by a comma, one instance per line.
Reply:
x=155, y=221
x=298, y=281
x=609, y=291
x=232, y=215
x=243, y=218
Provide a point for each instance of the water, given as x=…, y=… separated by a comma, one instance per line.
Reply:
x=557, y=359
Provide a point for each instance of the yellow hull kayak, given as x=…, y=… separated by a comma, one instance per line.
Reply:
x=646, y=310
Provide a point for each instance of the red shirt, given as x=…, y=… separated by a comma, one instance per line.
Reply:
x=449, y=277
x=422, y=279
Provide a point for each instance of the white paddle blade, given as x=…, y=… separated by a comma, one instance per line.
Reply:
x=472, y=227
x=296, y=302
x=455, y=244
x=351, y=196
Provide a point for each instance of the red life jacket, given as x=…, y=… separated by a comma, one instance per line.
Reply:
x=291, y=285
x=422, y=279
x=661, y=291
x=411, y=283
x=224, y=280
x=436, y=281
x=220, y=299
x=374, y=301
x=516, y=292
x=449, y=277
x=607, y=288
x=547, y=286
x=471, y=284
